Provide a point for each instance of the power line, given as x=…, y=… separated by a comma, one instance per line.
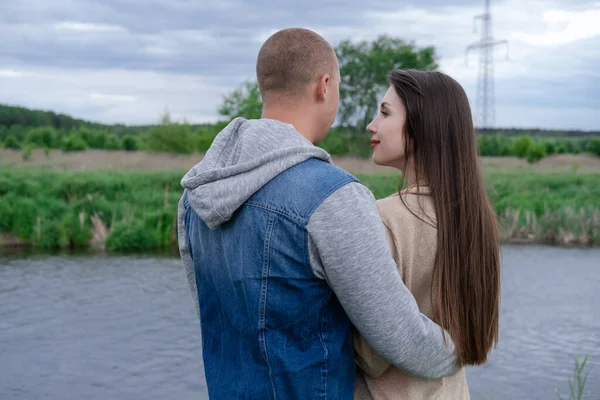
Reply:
x=485, y=110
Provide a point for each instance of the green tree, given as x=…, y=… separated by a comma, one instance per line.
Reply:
x=243, y=102
x=550, y=148
x=170, y=137
x=593, y=145
x=562, y=149
x=74, y=143
x=204, y=137
x=41, y=137
x=535, y=152
x=3, y=130
x=364, y=68
x=12, y=143
x=97, y=139
x=522, y=145
x=130, y=143
x=87, y=135
x=485, y=145
x=113, y=142
x=18, y=131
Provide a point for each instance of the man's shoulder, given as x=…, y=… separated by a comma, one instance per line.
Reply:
x=317, y=175
x=325, y=168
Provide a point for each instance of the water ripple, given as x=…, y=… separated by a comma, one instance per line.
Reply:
x=125, y=327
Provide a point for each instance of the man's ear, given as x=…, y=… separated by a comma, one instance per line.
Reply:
x=322, y=91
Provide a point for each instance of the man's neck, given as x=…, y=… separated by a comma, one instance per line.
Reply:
x=297, y=118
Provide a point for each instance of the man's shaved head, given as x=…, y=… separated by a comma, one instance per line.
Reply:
x=290, y=60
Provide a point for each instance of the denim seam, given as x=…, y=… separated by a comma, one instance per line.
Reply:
x=324, y=370
x=295, y=218
x=263, y=298
x=344, y=182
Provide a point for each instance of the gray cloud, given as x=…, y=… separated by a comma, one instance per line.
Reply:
x=129, y=30
x=125, y=60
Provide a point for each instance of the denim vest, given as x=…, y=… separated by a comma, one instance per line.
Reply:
x=270, y=328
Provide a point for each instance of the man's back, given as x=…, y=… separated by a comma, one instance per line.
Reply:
x=271, y=329
x=270, y=233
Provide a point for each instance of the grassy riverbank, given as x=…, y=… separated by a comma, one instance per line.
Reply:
x=136, y=210
x=561, y=209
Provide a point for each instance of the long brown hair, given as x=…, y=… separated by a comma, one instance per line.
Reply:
x=440, y=137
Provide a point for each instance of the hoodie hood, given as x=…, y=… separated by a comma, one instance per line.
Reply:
x=244, y=156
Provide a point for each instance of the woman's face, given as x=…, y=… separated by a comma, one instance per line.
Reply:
x=387, y=129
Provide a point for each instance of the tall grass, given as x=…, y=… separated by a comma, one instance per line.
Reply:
x=561, y=209
x=137, y=210
x=120, y=211
x=577, y=382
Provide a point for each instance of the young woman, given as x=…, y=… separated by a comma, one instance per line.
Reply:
x=441, y=229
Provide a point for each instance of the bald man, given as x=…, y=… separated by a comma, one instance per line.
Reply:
x=285, y=252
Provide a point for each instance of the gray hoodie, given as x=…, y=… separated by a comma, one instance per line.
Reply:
x=347, y=242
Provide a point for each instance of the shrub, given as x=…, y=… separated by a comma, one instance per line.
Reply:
x=204, y=138
x=536, y=152
x=77, y=229
x=27, y=153
x=593, y=146
x=41, y=137
x=169, y=137
x=130, y=143
x=99, y=139
x=51, y=235
x=550, y=148
x=74, y=143
x=93, y=138
x=335, y=143
x=24, y=215
x=132, y=236
x=6, y=213
x=113, y=142
x=573, y=146
x=12, y=143
x=494, y=145
x=521, y=146
x=162, y=223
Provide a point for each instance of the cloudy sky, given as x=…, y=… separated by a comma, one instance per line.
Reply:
x=129, y=60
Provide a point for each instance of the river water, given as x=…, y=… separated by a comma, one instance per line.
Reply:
x=99, y=327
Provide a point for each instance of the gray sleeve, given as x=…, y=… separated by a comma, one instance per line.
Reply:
x=184, y=252
x=349, y=249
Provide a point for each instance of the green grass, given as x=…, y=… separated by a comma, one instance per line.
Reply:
x=533, y=192
x=559, y=208
x=137, y=210
x=66, y=209
x=578, y=381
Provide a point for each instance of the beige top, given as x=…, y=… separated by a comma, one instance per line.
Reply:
x=413, y=244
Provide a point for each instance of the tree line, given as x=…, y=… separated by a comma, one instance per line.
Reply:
x=364, y=67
